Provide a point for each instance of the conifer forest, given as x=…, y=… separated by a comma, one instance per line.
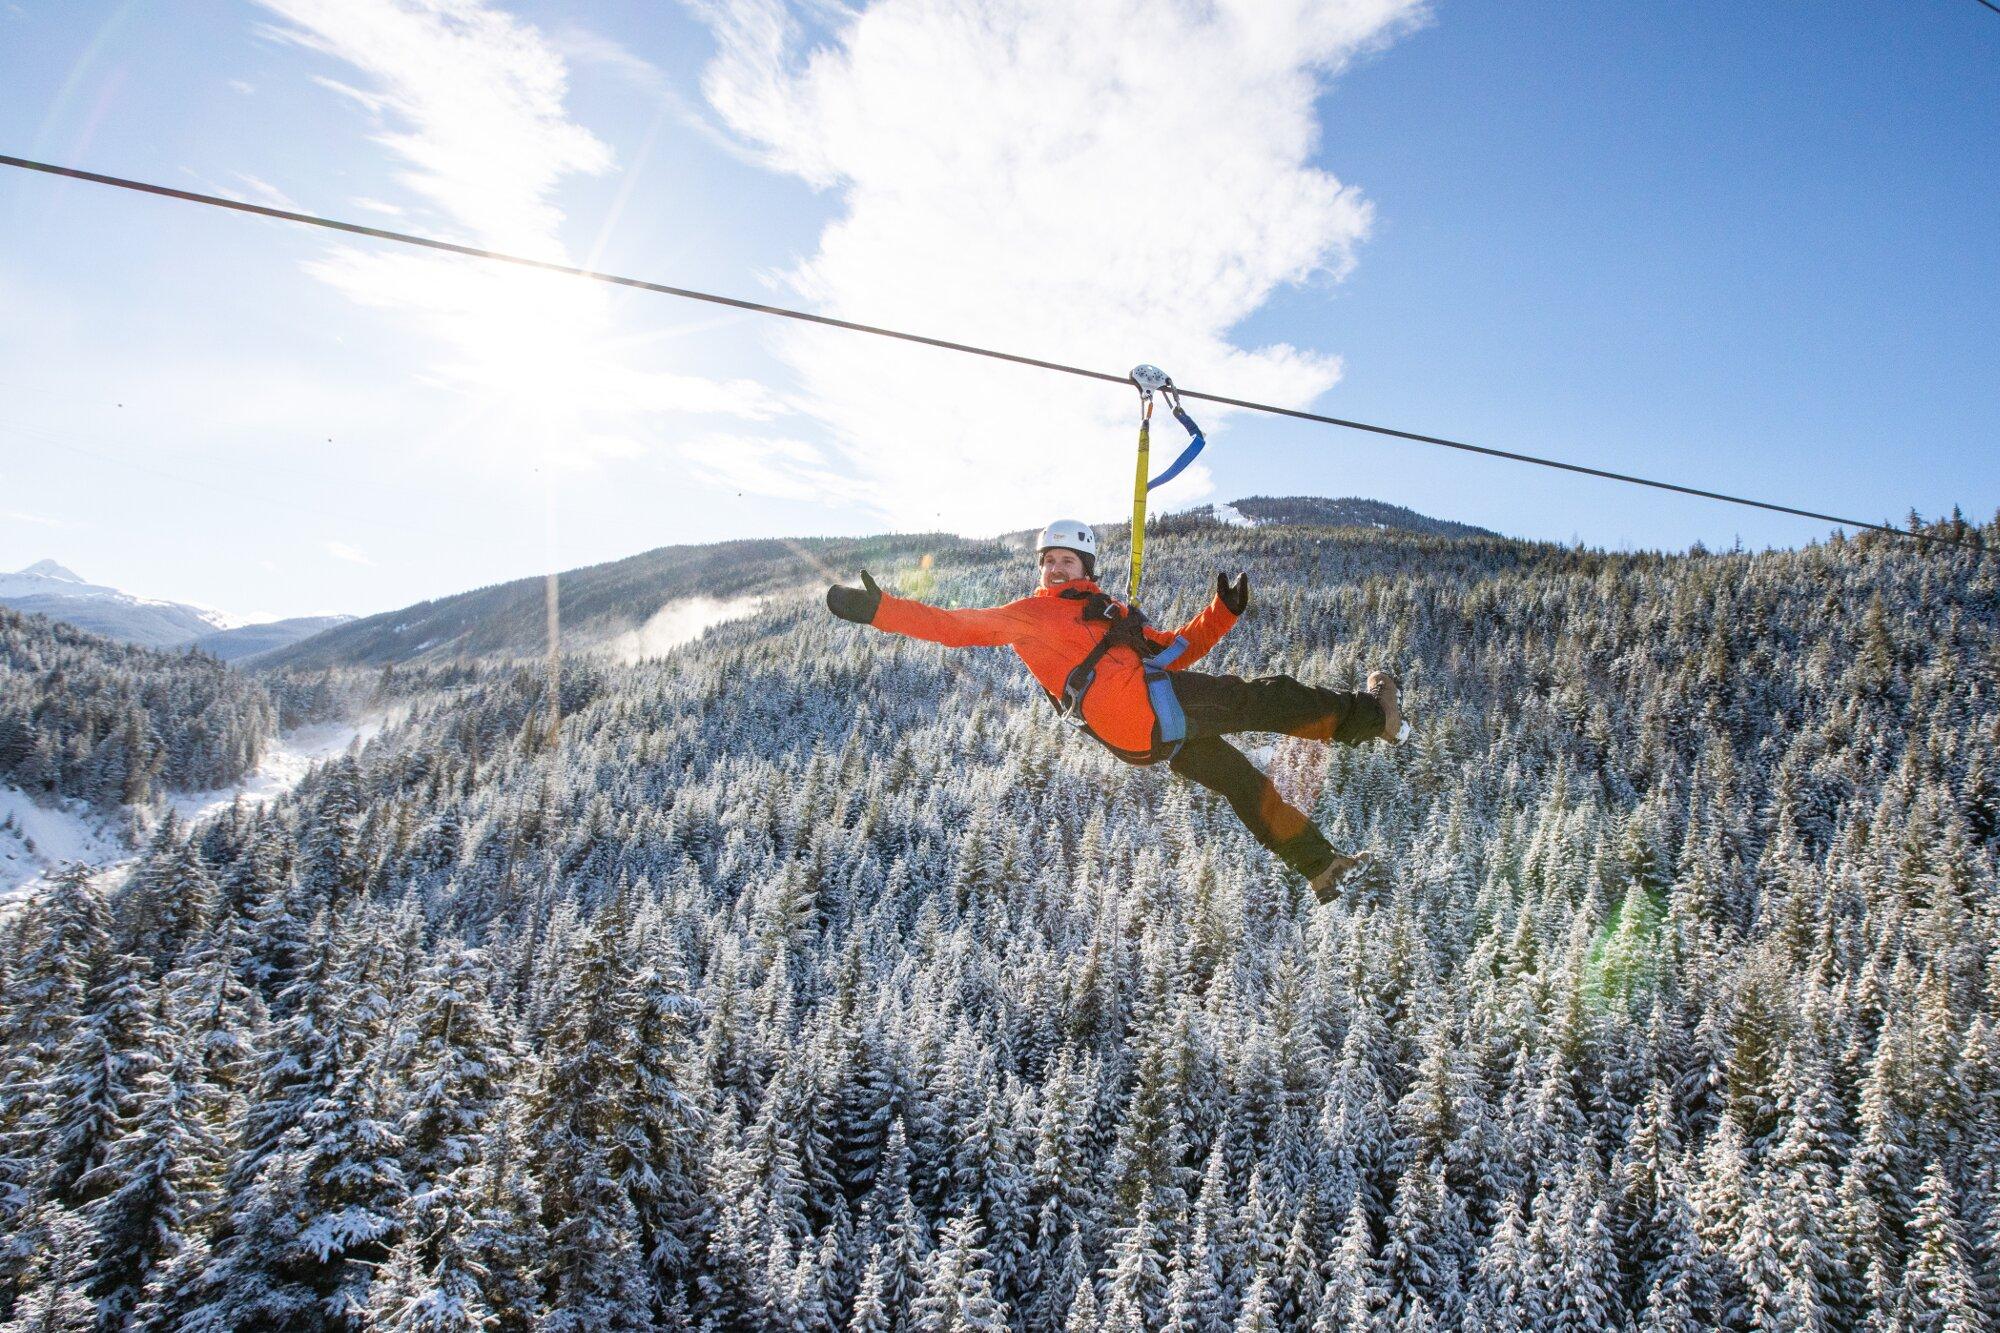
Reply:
x=114, y=724
x=810, y=978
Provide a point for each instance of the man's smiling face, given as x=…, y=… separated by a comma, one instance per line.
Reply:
x=1060, y=566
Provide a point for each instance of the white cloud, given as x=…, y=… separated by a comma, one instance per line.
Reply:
x=342, y=551
x=263, y=192
x=1099, y=184
x=35, y=520
x=475, y=104
x=471, y=101
x=589, y=48
x=240, y=86
x=366, y=101
x=780, y=468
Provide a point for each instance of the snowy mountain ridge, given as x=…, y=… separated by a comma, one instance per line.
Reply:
x=46, y=578
x=60, y=593
x=51, y=570
x=47, y=588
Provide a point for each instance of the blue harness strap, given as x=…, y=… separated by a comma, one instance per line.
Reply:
x=1170, y=654
x=1168, y=717
x=1175, y=468
x=1167, y=714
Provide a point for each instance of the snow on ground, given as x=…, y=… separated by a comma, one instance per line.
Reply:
x=1233, y=516
x=287, y=759
x=36, y=839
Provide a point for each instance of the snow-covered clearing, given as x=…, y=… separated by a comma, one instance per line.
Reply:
x=37, y=839
x=287, y=759
x=1233, y=516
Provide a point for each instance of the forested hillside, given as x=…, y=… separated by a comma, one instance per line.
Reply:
x=247, y=641
x=810, y=978
x=110, y=723
x=598, y=603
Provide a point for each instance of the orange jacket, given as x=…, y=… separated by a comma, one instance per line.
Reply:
x=1048, y=631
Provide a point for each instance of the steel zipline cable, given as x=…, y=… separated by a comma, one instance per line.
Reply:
x=756, y=307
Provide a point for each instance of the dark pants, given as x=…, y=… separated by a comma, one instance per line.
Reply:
x=1218, y=705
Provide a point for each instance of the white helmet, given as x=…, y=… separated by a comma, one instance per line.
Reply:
x=1070, y=534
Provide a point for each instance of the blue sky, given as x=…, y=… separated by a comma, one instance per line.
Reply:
x=1744, y=247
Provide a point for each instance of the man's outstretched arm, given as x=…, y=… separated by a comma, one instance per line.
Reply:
x=987, y=627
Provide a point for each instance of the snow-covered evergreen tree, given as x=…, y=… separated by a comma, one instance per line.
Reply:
x=958, y=1292
x=156, y=1191
x=54, y=1292
x=91, y=1090
x=1939, y=1292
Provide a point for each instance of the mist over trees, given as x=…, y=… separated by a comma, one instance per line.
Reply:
x=811, y=978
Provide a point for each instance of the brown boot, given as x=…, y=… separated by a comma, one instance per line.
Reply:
x=1387, y=690
x=1326, y=884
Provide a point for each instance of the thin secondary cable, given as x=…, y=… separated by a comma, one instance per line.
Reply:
x=1990, y=5
x=263, y=468
x=50, y=439
x=475, y=252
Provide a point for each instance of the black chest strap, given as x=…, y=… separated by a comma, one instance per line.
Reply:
x=1124, y=627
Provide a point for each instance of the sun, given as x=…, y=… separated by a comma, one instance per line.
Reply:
x=536, y=357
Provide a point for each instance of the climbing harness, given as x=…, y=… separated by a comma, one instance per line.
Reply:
x=1125, y=623
x=1125, y=627
x=1151, y=380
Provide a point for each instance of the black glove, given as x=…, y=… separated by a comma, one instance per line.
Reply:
x=1235, y=596
x=856, y=604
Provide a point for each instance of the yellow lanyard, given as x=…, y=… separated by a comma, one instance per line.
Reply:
x=1148, y=380
x=1139, y=489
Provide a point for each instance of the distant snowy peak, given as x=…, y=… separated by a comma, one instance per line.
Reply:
x=49, y=589
x=46, y=578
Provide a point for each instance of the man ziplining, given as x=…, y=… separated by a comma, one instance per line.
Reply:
x=1126, y=683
